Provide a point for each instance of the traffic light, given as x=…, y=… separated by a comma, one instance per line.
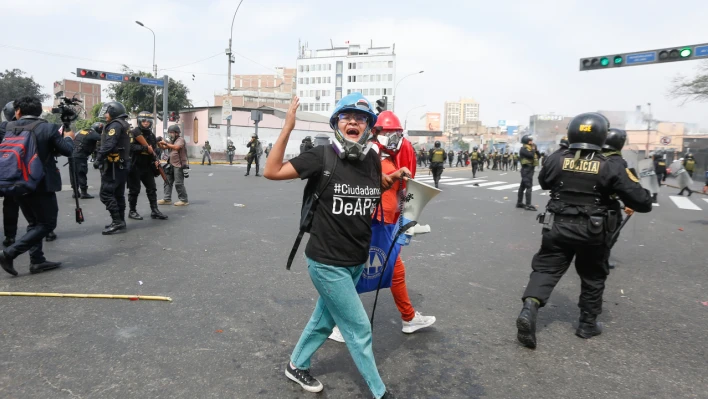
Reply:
x=109, y=76
x=159, y=115
x=131, y=79
x=381, y=105
x=174, y=116
x=681, y=53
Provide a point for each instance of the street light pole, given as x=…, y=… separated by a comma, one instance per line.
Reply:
x=154, y=66
x=405, y=124
x=230, y=60
x=395, y=89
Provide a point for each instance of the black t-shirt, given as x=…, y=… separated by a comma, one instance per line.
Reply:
x=341, y=227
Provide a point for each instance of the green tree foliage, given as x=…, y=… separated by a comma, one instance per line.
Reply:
x=136, y=97
x=91, y=118
x=462, y=145
x=14, y=84
x=691, y=89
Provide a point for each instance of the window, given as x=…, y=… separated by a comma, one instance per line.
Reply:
x=359, y=65
x=307, y=68
x=390, y=78
x=339, y=81
x=300, y=81
x=378, y=92
x=300, y=93
x=327, y=107
x=329, y=79
x=312, y=93
x=384, y=92
x=304, y=107
x=318, y=67
x=366, y=92
x=349, y=91
x=307, y=81
x=300, y=68
x=349, y=79
x=312, y=106
x=390, y=64
x=319, y=80
x=318, y=93
x=317, y=107
x=339, y=66
x=338, y=95
x=366, y=78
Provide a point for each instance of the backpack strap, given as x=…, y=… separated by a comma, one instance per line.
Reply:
x=329, y=164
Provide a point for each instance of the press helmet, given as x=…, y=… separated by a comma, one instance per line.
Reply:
x=564, y=142
x=145, y=116
x=588, y=131
x=113, y=108
x=346, y=148
x=526, y=139
x=174, y=129
x=8, y=111
x=616, y=138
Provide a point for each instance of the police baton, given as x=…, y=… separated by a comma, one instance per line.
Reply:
x=79, y=212
x=616, y=233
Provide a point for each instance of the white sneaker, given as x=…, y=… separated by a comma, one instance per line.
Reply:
x=336, y=335
x=418, y=322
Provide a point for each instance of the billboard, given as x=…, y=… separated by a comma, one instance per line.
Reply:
x=432, y=121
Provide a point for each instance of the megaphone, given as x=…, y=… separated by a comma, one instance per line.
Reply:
x=417, y=197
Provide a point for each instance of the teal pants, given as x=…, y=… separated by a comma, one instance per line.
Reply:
x=339, y=305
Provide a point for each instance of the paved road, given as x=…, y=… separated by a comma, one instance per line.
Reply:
x=237, y=313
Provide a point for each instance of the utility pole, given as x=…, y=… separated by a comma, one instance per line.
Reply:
x=649, y=116
x=230, y=59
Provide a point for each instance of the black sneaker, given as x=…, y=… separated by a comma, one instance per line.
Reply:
x=520, y=206
x=303, y=377
x=8, y=241
x=43, y=267
x=6, y=264
x=51, y=236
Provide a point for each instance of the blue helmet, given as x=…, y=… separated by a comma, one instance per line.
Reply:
x=346, y=148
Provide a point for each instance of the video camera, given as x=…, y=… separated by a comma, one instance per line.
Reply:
x=67, y=109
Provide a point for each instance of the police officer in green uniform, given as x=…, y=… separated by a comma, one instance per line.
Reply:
x=113, y=158
x=143, y=166
x=482, y=160
x=577, y=222
x=437, y=162
x=529, y=160
x=474, y=159
x=515, y=161
x=690, y=165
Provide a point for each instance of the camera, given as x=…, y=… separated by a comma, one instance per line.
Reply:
x=68, y=109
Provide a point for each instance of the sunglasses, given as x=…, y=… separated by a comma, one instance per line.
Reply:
x=359, y=118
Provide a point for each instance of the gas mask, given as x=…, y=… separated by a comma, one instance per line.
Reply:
x=350, y=150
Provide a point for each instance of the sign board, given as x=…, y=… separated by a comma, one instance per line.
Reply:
x=549, y=117
x=256, y=116
x=701, y=51
x=501, y=123
x=666, y=140
x=424, y=133
x=226, y=108
x=641, y=58
x=153, y=82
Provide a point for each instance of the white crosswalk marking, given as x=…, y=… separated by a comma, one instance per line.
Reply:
x=457, y=183
x=491, y=183
x=505, y=187
x=684, y=203
x=705, y=199
x=536, y=188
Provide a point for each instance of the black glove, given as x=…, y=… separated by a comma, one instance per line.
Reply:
x=97, y=164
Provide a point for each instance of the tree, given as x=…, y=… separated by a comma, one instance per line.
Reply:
x=136, y=97
x=14, y=84
x=691, y=89
x=92, y=117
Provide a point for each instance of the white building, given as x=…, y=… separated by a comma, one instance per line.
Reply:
x=325, y=76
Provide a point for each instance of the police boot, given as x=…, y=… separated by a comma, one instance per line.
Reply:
x=528, y=206
x=156, y=214
x=259, y=175
x=51, y=236
x=133, y=214
x=588, y=326
x=526, y=323
x=115, y=226
x=85, y=194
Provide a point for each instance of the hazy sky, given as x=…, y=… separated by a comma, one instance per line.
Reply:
x=495, y=52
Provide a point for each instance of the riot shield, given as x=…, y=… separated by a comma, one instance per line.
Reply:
x=647, y=176
x=683, y=180
x=676, y=167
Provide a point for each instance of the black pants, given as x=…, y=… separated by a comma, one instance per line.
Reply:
x=141, y=172
x=474, y=168
x=231, y=157
x=250, y=159
x=80, y=165
x=481, y=166
x=552, y=261
x=437, y=169
x=41, y=211
x=612, y=244
x=459, y=163
x=449, y=160
x=10, y=215
x=526, y=184
x=112, y=192
x=660, y=177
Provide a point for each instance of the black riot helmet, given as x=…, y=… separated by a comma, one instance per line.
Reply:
x=98, y=127
x=526, y=139
x=308, y=138
x=145, y=116
x=174, y=129
x=114, y=109
x=564, y=142
x=474, y=148
x=615, y=139
x=437, y=144
x=8, y=111
x=588, y=131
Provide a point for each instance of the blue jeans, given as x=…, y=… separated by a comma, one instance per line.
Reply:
x=339, y=305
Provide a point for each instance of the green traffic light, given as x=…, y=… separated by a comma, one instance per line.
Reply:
x=686, y=52
x=604, y=62
x=618, y=60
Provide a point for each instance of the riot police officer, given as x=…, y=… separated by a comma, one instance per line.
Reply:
x=563, y=145
x=84, y=145
x=306, y=145
x=612, y=149
x=529, y=160
x=113, y=158
x=474, y=159
x=437, y=162
x=660, y=167
x=143, y=166
x=450, y=157
x=254, y=154
x=577, y=222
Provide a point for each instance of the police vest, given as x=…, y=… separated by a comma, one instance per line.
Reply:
x=661, y=163
x=80, y=144
x=438, y=156
x=690, y=164
x=121, y=153
x=526, y=161
x=579, y=180
x=475, y=156
x=516, y=157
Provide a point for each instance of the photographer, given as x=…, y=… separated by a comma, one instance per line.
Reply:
x=177, y=169
x=40, y=207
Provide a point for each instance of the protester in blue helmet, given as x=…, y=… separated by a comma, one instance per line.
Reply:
x=351, y=113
